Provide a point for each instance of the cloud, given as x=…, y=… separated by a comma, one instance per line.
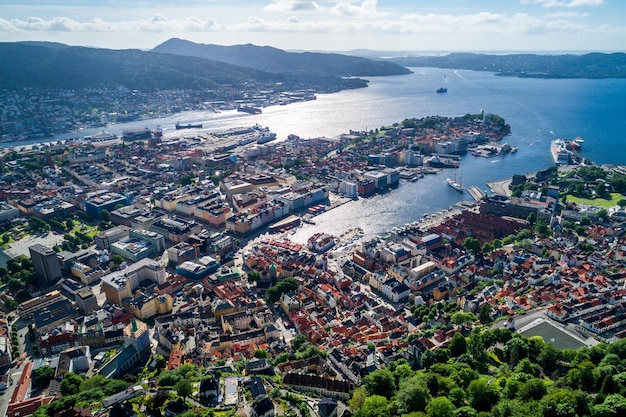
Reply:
x=365, y=8
x=290, y=6
x=567, y=15
x=564, y=3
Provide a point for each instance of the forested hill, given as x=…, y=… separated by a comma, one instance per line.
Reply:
x=275, y=60
x=593, y=65
x=53, y=65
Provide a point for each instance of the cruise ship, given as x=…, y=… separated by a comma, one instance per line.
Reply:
x=101, y=137
x=560, y=154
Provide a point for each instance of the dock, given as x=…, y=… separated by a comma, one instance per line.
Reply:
x=476, y=193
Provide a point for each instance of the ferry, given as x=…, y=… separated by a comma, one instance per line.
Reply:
x=101, y=137
x=158, y=132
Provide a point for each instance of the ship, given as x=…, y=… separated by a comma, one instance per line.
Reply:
x=576, y=144
x=158, y=132
x=456, y=185
x=136, y=134
x=101, y=137
x=249, y=109
x=560, y=154
x=442, y=90
x=188, y=126
x=321, y=242
x=266, y=137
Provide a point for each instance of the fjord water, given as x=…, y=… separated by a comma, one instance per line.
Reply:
x=538, y=110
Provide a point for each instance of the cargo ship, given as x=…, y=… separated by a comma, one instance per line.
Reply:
x=577, y=144
x=188, y=126
x=249, y=109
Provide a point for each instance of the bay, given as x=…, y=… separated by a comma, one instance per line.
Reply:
x=538, y=111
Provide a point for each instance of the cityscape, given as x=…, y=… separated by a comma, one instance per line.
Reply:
x=402, y=213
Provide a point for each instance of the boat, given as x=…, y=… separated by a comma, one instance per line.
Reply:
x=188, y=126
x=442, y=90
x=249, y=109
x=560, y=154
x=321, y=242
x=136, y=134
x=456, y=185
x=576, y=144
x=101, y=137
x=158, y=132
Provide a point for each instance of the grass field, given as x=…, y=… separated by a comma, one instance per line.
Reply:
x=615, y=197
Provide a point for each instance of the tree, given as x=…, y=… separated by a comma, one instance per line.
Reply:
x=482, y=396
x=621, y=202
x=472, y=244
x=440, y=407
x=358, y=399
x=412, y=395
x=374, y=406
x=42, y=376
x=533, y=389
x=485, y=313
x=70, y=384
x=183, y=388
x=465, y=411
x=602, y=215
x=105, y=216
x=117, y=260
x=381, y=382
x=297, y=342
x=458, y=345
x=260, y=354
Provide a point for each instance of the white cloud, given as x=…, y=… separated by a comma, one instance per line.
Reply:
x=290, y=6
x=365, y=8
x=567, y=15
x=564, y=3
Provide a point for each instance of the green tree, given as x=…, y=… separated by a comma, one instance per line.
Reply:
x=374, y=406
x=117, y=260
x=412, y=395
x=42, y=376
x=358, y=399
x=458, y=345
x=381, y=382
x=465, y=411
x=533, y=389
x=602, y=215
x=440, y=407
x=472, y=244
x=105, y=216
x=485, y=313
x=482, y=396
x=71, y=384
x=297, y=342
x=183, y=388
x=260, y=354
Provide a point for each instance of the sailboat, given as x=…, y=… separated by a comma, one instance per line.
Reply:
x=456, y=185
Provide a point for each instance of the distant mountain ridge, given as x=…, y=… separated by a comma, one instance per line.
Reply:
x=591, y=65
x=269, y=59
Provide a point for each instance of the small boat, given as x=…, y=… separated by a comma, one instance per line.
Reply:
x=442, y=90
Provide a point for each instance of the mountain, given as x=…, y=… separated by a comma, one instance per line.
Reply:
x=54, y=65
x=593, y=65
x=266, y=58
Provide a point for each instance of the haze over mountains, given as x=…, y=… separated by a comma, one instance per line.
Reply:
x=53, y=65
x=180, y=64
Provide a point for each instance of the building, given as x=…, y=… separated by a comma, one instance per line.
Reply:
x=104, y=200
x=121, y=284
x=86, y=300
x=27, y=308
x=140, y=244
x=104, y=239
x=198, y=270
x=46, y=263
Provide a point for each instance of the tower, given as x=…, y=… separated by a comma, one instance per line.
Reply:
x=46, y=263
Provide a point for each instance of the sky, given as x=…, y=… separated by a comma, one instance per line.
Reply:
x=321, y=25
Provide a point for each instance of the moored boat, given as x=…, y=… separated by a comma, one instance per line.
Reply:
x=442, y=90
x=456, y=185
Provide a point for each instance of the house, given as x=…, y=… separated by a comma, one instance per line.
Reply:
x=256, y=387
x=327, y=407
x=262, y=408
x=209, y=388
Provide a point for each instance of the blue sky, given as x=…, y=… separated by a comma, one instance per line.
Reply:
x=338, y=25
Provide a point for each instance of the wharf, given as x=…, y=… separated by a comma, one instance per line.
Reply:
x=501, y=187
x=476, y=193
